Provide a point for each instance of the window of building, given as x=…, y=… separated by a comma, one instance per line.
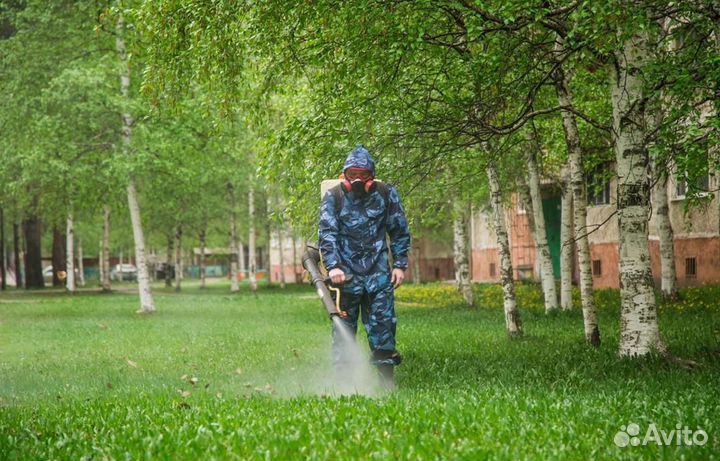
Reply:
x=690, y=268
x=598, y=186
x=492, y=269
x=700, y=187
x=596, y=268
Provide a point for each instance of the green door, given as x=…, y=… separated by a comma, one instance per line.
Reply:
x=551, y=211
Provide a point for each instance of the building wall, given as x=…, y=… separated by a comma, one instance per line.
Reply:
x=697, y=235
x=522, y=244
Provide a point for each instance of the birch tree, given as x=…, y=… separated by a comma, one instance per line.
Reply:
x=547, y=277
x=567, y=240
x=251, y=238
x=105, y=251
x=234, y=286
x=639, y=331
x=81, y=263
x=513, y=324
x=661, y=210
x=461, y=250
x=147, y=305
x=70, y=254
x=579, y=194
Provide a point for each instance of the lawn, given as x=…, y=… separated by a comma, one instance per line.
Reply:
x=219, y=376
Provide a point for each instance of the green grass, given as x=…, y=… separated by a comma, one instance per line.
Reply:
x=83, y=377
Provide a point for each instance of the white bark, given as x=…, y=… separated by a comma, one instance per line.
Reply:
x=201, y=261
x=178, y=258
x=281, y=250
x=251, y=239
x=70, y=254
x=513, y=323
x=639, y=332
x=234, y=286
x=295, y=261
x=268, y=237
x=668, y=279
x=460, y=251
x=81, y=267
x=577, y=180
x=547, y=277
x=567, y=242
x=105, y=250
x=147, y=305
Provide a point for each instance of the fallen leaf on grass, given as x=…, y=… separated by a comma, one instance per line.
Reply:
x=183, y=393
x=131, y=363
x=239, y=371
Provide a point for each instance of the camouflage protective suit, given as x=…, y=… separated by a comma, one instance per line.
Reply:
x=353, y=240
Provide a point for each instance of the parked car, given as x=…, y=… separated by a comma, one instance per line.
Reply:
x=48, y=274
x=123, y=272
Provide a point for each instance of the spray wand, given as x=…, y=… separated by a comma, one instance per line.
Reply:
x=310, y=261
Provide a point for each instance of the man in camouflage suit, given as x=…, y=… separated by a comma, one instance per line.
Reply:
x=352, y=241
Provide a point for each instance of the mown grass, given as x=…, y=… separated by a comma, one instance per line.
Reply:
x=215, y=376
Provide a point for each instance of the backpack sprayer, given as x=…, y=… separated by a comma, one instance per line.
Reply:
x=311, y=263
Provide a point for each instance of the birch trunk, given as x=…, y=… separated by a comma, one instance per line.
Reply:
x=513, y=323
x=460, y=250
x=577, y=181
x=295, y=261
x=281, y=248
x=178, y=259
x=567, y=242
x=147, y=305
x=169, y=264
x=70, y=254
x=639, y=332
x=268, y=238
x=201, y=261
x=543, y=249
x=81, y=266
x=234, y=286
x=668, y=281
x=251, y=239
x=105, y=279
